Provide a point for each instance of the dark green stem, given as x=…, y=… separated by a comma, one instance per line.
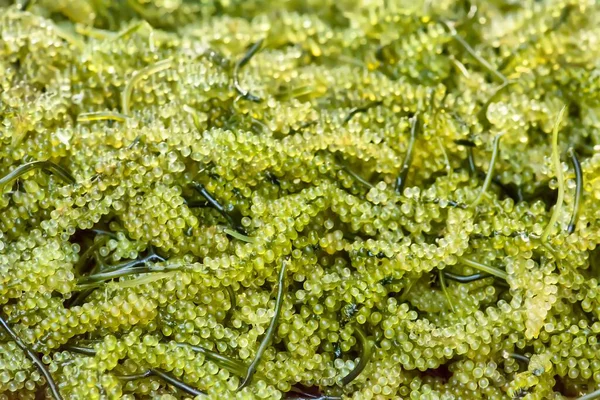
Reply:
x=465, y=278
x=365, y=356
x=401, y=180
x=89, y=253
x=234, y=218
x=239, y=65
x=578, y=190
x=445, y=289
x=519, y=357
x=34, y=358
x=170, y=379
x=357, y=110
x=226, y=362
x=233, y=303
x=80, y=349
x=266, y=341
x=47, y=166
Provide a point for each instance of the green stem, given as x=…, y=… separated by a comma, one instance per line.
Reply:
x=401, y=180
x=445, y=289
x=170, y=379
x=96, y=280
x=357, y=110
x=483, y=62
x=239, y=65
x=34, y=358
x=464, y=278
x=559, y=176
x=226, y=362
x=138, y=76
x=101, y=116
x=365, y=356
x=490, y=173
x=88, y=253
x=234, y=217
x=266, y=341
x=80, y=350
x=519, y=357
x=232, y=301
x=44, y=165
x=239, y=236
x=578, y=190
x=484, y=268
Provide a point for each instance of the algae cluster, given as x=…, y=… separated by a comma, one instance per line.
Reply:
x=303, y=199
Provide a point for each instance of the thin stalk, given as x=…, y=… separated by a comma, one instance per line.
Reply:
x=170, y=379
x=519, y=357
x=490, y=172
x=359, y=178
x=266, y=341
x=446, y=158
x=101, y=116
x=482, y=61
x=232, y=301
x=469, y=145
x=357, y=110
x=130, y=30
x=460, y=66
x=578, y=190
x=365, y=356
x=445, y=289
x=142, y=280
x=559, y=176
x=47, y=166
x=239, y=236
x=150, y=257
x=401, y=180
x=96, y=280
x=464, y=278
x=239, y=65
x=34, y=358
x=80, y=350
x=471, y=159
x=89, y=253
x=138, y=76
x=234, y=218
x=484, y=268
x=226, y=362
x=81, y=296
x=135, y=377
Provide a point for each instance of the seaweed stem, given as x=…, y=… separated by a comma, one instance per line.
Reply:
x=365, y=356
x=270, y=330
x=559, y=176
x=34, y=358
x=578, y=190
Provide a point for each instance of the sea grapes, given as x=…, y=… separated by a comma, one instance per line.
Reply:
x=299, y=199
